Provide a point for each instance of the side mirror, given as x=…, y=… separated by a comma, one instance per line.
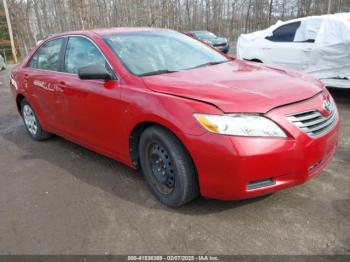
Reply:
x=95, y=72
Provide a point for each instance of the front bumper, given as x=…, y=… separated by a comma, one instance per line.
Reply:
x=223, y=48
x=227, y=166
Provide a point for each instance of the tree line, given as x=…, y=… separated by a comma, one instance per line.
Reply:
x=33, y=20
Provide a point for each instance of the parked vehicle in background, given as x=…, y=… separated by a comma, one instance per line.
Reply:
x=2, y=63
x=193, y=119
x=220, y=43
x=318, y=45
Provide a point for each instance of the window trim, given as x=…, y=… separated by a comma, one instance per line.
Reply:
x=63, y=52
x=98, y=48
x=43, y=45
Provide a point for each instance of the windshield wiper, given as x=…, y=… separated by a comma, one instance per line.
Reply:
x=210, y=63
x=166, y=71
x=158, y=72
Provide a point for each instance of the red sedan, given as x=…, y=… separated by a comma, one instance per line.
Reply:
x=193, y=119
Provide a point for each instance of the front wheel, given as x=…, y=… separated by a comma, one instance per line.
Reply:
x=167, y=167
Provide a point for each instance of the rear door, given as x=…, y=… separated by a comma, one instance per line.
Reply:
x=89, y=109
x=41, y=80
x=282, y=50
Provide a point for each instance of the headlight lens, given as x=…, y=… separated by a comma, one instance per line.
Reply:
x=240, y=125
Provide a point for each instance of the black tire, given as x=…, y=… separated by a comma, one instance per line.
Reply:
x=38, y=134
x=176, y=183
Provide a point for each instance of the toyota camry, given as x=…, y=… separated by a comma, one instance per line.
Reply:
x=194, y=120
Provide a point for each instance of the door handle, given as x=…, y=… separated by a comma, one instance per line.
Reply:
x=61, y=86
x=307, y=49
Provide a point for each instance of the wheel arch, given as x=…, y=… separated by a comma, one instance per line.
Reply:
x=19, y=99
x=134, y=140
x=135, y=134
x=256, y=60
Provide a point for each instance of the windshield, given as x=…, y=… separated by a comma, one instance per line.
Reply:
x=147, y=53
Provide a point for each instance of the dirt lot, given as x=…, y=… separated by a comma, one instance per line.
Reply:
x=59, y=198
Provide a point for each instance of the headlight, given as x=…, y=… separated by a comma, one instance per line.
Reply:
x=240, y=125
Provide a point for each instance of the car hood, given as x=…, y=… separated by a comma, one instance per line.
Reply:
x=218, y=41
x=237, y=86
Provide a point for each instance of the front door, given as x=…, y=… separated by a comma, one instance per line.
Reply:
x=90, y=109
x=281, y=48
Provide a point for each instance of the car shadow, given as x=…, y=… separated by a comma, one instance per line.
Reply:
x=341, y=95
x=100, y=171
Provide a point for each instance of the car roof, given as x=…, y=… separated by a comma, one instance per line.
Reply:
x=119, y=30
x=199, y=31
x=339, y=16
x=109, y=31
x=342, y=17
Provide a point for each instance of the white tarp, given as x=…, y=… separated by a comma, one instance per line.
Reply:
x=330, y=53
x=330, y=56
x=308, y=29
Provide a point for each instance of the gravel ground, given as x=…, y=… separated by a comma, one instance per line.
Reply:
x=59, y=198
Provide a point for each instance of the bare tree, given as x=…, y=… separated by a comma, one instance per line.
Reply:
x=36, y=19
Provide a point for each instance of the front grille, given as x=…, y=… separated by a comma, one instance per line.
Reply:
x=313, y=122
x=223, y=44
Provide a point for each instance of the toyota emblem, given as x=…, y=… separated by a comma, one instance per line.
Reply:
x=327, y=106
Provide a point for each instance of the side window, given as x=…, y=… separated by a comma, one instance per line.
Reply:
x=284, y=33
x=81, y=52
x=48, y=56
x=308, y=30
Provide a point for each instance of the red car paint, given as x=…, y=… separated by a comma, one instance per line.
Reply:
x=66, y=105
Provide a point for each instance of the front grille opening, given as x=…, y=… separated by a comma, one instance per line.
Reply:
x=313, y=122
x=314, y=166
x=261, y=183
x=304, y=114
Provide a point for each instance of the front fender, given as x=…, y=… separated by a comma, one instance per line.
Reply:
x=172, y=112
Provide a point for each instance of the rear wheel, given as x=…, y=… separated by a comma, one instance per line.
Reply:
x=167, y=167
x=31, y=122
